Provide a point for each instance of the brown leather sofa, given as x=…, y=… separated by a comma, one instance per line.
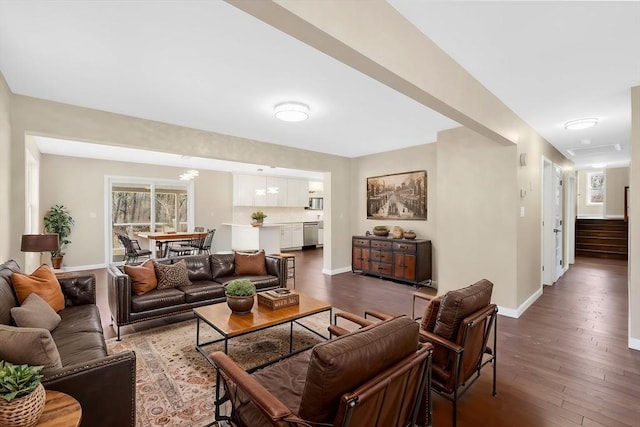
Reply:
x=103, y=385
x=375, y=376
x=208, y=275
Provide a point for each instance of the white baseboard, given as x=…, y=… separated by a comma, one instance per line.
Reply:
x=634, y=343
x=80, y=268
x=516, y=313
x=336, y=271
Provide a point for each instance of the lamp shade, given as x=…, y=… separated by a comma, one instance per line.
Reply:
x=39, y=242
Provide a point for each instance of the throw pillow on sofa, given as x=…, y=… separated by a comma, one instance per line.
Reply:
x=143, y=277
x=35, y=313
x=43, y=282
x=172, y=275
x=250, y=264
x=33, y=346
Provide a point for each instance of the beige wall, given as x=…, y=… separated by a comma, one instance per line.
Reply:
x=634, y=224
x=615, y=180
x=5, y=170
x=421, y=157
x=40, y=117
x=475, y=203
x=79, y=184
x=584, y=209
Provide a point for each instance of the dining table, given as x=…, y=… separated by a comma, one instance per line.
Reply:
x=159, y=240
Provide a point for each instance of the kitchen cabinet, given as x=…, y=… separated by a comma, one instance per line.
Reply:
x=260, y=191
x=321, y=237
x=276, y=189
x=297, y=193
x=397, y=259
x=296, y=235
x=291, y=235
x=286, y=233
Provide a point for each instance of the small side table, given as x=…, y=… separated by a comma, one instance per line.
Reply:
x=60, y=410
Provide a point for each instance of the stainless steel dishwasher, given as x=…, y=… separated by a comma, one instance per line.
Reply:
x=310, y=233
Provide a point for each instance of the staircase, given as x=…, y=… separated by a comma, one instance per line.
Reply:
x=602, y=238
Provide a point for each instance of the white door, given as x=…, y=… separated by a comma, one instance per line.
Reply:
x=552, y=235
x=557, y=221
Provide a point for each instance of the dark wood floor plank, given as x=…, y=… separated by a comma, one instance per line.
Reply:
x=563, y=363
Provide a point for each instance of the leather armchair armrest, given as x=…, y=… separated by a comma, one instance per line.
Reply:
x=378, y=315
x=270, y=406
x=337, y=331
x=105, y=388
x=358, y=320
x=438, y=340
x=119, y=293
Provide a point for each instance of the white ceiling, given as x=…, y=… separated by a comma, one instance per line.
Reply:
x=209, y=66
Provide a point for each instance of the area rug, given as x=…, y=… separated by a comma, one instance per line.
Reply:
x=175, y=385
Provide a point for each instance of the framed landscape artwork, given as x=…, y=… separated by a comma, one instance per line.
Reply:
x=397, y=196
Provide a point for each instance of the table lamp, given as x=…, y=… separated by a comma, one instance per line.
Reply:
x=39, y=243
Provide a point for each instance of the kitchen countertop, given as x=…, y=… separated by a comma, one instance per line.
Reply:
x=264, y=224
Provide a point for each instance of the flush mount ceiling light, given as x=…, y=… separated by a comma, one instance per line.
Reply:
x=581, y=123
x=291, y=111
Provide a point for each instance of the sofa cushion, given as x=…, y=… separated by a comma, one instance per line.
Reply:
x=7, y=294
x=222, y=265
x=260, y=282
x=250, y=264
x=339, y=365
x=202, y=290
x=35, y=313
x=458, y=304
x=81, y=318
x=80, y=347
x=199, y=267
x=285, y=380
x=143, y=277
x=79, y=290
x=33, y=346
x=157, y=298
x=173, y=275
x=43, y=282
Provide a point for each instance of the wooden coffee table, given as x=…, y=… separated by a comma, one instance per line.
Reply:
x=219, y=317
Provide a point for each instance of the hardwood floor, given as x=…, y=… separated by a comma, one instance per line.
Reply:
x=564, y=362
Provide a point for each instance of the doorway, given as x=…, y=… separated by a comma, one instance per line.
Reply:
x=552, y=222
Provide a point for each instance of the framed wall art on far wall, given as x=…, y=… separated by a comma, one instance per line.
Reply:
x=397, y=196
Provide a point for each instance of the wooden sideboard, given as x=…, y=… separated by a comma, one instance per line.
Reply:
x=397, y=259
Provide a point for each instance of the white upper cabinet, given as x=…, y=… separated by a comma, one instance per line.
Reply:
x=276, y=191
x=298, y=194
x=256, y=190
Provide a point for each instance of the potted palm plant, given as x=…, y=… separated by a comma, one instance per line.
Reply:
x=22, y=396
x=58, y=221
x=240, y=296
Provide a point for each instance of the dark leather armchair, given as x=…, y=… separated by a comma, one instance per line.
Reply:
x=458, y=324
x=375, y=376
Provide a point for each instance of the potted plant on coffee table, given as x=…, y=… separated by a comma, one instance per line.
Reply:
x=240, y=296
x=58, y=221
x=22, y=396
